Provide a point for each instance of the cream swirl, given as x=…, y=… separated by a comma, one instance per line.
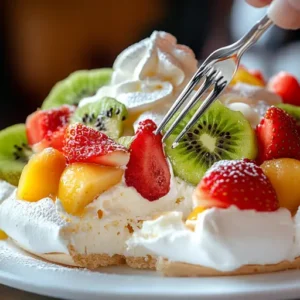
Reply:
x=149, y=74
x=223, y=239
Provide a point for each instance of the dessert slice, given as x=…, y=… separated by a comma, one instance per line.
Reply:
x=237, y=227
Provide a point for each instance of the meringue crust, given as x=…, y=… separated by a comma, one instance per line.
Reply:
x=180, y=269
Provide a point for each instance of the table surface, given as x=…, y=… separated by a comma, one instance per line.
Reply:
x=8, y=293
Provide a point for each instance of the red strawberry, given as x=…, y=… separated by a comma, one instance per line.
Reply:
x=45, y=128
x=286, y=86
x=236, y=182
x=148, y=171
x=277, y=136
x=85, y=144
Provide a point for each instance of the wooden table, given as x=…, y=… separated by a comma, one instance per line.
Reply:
x=8, y=293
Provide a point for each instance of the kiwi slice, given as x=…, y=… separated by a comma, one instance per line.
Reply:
x=292, y=110
x=106, y=115
x=219, y=134
x=125, y=141
x=77, y=86
x=14, y=153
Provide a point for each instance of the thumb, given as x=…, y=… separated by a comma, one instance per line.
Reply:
x=285, y=13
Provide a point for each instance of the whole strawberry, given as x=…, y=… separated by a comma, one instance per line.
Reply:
x=236, y=182
x=147, y=170
x=277, y=136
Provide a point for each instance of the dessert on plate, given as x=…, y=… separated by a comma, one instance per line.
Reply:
x=87, y=183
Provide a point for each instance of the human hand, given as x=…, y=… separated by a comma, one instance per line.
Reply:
x=284, y=13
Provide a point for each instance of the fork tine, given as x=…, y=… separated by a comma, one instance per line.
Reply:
x=204, y=87
x=181, y=98
x=206, y=103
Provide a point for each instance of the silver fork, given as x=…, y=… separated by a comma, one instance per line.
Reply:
x=217, y=70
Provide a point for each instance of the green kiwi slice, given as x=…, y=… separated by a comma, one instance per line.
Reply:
x=125, y=141
x=106, y=115
x=14, y=153
x=219, y=134
x=292, y=110
x=77, y=86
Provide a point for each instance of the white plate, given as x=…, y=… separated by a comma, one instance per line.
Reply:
x=23, y=271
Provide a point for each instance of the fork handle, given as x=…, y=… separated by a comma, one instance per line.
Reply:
x=254, y=34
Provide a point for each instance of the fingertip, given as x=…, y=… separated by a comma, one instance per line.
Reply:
x=285, y=14
x=259, y=3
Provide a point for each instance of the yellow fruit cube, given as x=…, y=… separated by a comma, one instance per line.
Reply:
x=81, y=183
x=243, y=76
x=284, y=174
x=40, y=177
x=3, y=235
x=194, y=214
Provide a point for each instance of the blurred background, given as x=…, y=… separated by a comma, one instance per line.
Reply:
x=42, y=42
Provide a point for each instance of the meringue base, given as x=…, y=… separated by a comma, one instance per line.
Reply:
x=180, y=269
x=146, y=263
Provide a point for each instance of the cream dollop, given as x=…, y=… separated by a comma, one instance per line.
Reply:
x=149, y=74
x=223, y=239
x=251, y=101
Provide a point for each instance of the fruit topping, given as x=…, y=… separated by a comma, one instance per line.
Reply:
x=3, y=235
x=40, y=177
x=277, y=136
x=194, y=214
x=106, y=115
x=244, y=76
x=45, y=128
x=85, y=144
x=14, y=153
x=284, y=174
x=292, y=110
x=258, y=74
x=219, y=134
x=77, y=86
x=81, y=183
x=147, y=170
x=286, y=86
x=237, y=182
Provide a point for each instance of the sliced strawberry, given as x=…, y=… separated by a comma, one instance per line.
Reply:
x=148, y=171
x=277, y=136
x=85, y=144
x=54, y=140
x=45, y=128
x=286, y=86
x=236, y=182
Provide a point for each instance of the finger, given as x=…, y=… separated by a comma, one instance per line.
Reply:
x=285, y=13
x=259, y=3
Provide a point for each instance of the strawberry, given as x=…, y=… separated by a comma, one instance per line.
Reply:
x=147, y=170
x=286, y=86
x=277, y=136
x=85, y=144
x=45, y=128
x=236, y=182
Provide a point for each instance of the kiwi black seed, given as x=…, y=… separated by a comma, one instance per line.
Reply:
x=219, y=134
x=106, y=115
x=76, y=86
x=292, y=110
x=14, y=153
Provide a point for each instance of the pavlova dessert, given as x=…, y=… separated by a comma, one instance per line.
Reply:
x=86, y=182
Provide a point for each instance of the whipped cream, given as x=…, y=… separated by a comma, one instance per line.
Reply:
x=252, y=101
x=223, y=239
x=149, y=74
x=6, y=190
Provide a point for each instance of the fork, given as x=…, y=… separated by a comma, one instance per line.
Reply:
x=217, y=71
